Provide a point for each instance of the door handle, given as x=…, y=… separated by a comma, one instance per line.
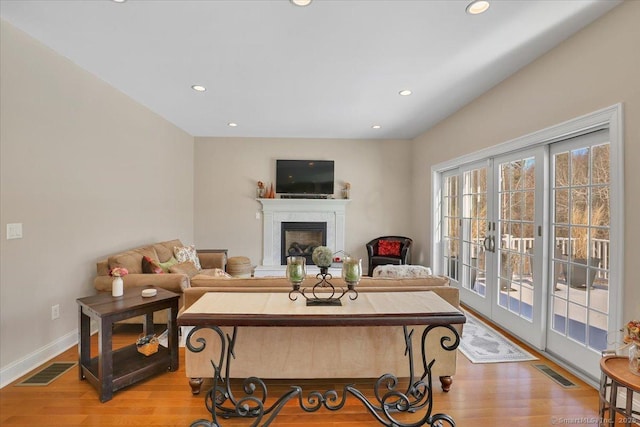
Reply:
x=489, y=244
x=486, y=243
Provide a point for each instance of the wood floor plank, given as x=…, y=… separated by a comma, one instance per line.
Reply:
x=481, y=395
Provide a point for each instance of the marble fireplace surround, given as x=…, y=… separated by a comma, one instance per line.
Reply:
x=277, y=211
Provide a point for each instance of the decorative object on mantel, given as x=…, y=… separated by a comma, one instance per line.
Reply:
x=346, y=190
x=323, y=257
x=270, y=194
x=117, y=286
x=260, y=190
x=632, y=337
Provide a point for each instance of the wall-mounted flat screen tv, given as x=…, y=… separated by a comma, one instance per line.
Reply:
x=304, y=176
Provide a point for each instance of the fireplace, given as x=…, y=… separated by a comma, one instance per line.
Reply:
x=330, y=212
x=301, y=238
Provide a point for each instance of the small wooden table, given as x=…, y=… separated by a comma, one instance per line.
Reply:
x=112, y=370
x=615, y=375
x=401, y=309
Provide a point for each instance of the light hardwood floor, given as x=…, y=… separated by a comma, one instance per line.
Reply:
x=502, y=394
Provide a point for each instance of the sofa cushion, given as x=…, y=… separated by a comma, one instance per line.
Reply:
x=187, y=268
x=132, y=260
x=150, y=266
x=165, y=249
x=187, y=253
x=389, y=248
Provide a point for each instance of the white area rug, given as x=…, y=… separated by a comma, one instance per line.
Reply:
x=482, y=344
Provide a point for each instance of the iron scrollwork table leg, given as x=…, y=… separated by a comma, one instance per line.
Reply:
x=222, y=403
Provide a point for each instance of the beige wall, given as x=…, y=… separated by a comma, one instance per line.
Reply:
x=227, y=170
x=596, y=68
x=88, y=172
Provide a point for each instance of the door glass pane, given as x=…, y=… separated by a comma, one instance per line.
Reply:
x=561, y=171
x=576, y=326
x=450, y=226
x=580, y=230
x=600, y=164
x=580, y=166
x=474, y=230
x=561, y=210
x=529, y=207
x=516, y=215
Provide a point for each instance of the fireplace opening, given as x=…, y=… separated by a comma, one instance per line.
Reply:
x=301, y=238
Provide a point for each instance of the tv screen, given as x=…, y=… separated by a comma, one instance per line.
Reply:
x=304, y=176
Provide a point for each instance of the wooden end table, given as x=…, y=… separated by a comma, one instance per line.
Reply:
x=616, y=374
x=112, y=369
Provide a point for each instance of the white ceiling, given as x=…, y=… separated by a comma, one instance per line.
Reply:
x=329, y=70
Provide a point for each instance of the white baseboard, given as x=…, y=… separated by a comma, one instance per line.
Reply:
x=19, y=368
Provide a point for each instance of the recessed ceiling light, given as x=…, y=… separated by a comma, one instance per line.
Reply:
x=232, y=125
x=405, y=92
x=477, y=7
x=119, y=1
x=301, y=3
x=376, y=127
x=198, y=88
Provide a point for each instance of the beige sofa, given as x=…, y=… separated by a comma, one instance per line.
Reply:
x=314, y=352
x=176, y=281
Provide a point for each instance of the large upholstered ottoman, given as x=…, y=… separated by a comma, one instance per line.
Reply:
x=401, y=271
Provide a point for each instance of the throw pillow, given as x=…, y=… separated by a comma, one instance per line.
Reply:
x=187, y=253
x=166, y=265
x=187, y=268
x=149, y=266
x=389, y=248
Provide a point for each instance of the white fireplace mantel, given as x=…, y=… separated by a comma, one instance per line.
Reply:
x=277, y=211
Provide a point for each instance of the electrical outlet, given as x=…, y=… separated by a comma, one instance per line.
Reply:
x=55, y=311
x=258, y=215
x=14, y=231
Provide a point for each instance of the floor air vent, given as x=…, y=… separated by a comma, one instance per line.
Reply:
x=560, y=379
x=48, y=374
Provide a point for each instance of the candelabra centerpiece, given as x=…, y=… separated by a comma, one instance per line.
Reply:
x=323, y=293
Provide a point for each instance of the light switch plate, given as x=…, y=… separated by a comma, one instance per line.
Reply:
x=14, y=231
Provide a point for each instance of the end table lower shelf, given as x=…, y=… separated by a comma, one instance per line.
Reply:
x=129, y=366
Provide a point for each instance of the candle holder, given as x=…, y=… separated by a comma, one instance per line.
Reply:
x=352, y=270
x=296, y=270
x=324, y=286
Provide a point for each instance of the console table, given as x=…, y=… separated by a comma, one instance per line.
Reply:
x=401, y=309
x=111, y=369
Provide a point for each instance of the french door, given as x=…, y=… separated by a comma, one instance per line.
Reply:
x=579, y=300
x=493, y=216
x=473, y=227
x=527, y=241
x=531, y=232
x=517, y=248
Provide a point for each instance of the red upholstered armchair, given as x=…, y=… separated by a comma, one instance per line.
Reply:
x=388, y=250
